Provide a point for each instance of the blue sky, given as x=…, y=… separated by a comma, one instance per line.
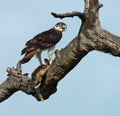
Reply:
x=91, y=89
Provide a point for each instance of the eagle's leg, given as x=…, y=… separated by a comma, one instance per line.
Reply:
x=38, y=56
x=50, y=53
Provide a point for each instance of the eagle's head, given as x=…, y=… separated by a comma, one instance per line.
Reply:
x=60, y=26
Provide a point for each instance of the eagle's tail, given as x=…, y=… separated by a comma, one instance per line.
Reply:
x=27, y=50
x=27, y=56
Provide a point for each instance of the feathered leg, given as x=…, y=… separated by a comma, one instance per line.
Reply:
x=50, y=53
x=38, y=56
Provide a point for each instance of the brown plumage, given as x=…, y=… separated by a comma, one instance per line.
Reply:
x=43, y=41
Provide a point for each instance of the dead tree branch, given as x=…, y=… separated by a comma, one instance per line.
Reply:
x=91, y=37
x=72, y=14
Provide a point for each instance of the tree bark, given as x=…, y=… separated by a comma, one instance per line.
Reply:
x=91, y=36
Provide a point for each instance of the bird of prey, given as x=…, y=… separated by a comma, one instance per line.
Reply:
x=43, y=41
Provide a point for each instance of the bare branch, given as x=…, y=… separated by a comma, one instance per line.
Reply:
x=15, y=82
x=71, y=54
x=72, y=14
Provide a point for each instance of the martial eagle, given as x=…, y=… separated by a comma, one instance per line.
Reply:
x=43, y=41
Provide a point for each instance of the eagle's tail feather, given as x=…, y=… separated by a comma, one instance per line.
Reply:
x=27, y=50
x=23, y=51
x=27, y=57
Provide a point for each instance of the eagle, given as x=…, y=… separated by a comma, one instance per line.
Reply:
x=43, y=41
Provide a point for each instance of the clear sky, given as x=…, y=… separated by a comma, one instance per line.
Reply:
x=92, y=88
